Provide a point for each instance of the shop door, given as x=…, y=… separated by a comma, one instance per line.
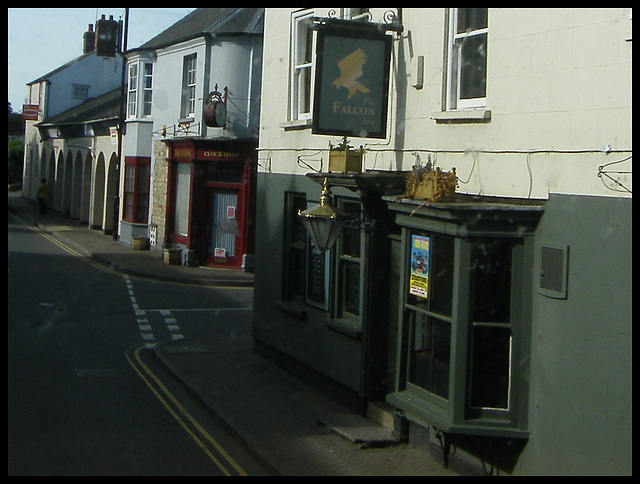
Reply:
x=223, y=228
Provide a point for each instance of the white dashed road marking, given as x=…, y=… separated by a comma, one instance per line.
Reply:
x=143, y=323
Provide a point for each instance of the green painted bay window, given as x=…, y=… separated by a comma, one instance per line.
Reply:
x=464, y=335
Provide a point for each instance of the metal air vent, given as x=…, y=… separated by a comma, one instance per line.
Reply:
x=553, y=272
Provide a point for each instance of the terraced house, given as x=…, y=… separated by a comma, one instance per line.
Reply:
x=495, y=322
x=72, y=112
x=189, y=163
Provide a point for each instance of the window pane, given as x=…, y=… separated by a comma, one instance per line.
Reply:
x=304, y=90
x=431, y=353
x=304, y=41
x=298, y=271
x=351, y=282
x=183, y=183
x=188, y=86
x=442, y=274
x=143, y=193
x=473, y=68
x=350, y=238
x=147, y=103
x=129, y=186
x=295, y=247
x=490, y=367
x=129, y=178
x=471, y=19
x=316, y=280
x=148, y=76
x=128, y=205
x=490, y=294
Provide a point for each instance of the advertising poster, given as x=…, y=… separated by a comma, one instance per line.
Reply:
x=419, y=279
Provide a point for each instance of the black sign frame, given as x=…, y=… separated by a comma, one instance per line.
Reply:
x=352, y=81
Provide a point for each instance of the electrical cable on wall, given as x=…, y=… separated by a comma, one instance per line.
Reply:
x=606, y=174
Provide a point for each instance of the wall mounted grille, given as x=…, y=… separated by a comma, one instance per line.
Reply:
x=553, y=271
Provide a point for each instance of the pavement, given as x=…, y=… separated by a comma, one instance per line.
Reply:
x=294, y=426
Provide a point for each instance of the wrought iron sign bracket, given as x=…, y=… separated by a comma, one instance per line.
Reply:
x=391, y=23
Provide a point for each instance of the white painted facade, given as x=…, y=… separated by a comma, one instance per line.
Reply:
x=558, y=102
x=230, y=62
x=77, y=169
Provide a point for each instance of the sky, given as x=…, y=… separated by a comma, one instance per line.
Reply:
x=43, y=39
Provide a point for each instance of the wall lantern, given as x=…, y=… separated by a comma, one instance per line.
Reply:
x=322, y=222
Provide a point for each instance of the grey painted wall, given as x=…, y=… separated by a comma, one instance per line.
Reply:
x=580, y=393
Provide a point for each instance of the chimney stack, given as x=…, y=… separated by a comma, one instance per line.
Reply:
x=88, y=40
x=106, y=36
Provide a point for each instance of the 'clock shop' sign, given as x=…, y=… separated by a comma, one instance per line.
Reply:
x=352, y=82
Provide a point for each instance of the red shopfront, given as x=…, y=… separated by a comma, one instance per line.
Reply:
x=211, y=200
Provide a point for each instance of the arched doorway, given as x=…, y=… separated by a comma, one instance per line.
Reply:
x=67, y=184
x=59, y=183
x=97, y=214
x=85, y=200
x=76, y=187
x=51, y=174
x=110, y=194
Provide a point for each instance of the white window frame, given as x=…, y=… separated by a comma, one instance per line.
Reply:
x=188, y=101
x=80, y=91
x=301, y=65
x=147, y=89
x=454, y=67
x=132, y=91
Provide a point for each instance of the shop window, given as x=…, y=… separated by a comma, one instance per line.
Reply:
x=329, y=281
x=490, y=319
x=182, y=199
x=295, y=238
x=349, y=256
x=431, y=353
x=136, y=189
x=464, y=333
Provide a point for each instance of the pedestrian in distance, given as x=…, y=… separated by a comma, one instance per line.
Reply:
x=43, y=196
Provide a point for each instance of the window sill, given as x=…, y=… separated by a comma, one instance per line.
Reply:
x=134, y=223
x=462, y=116
x=292, y=308
x=426, y=414
x=296, y=124
x=146, y=119
x=346, y=327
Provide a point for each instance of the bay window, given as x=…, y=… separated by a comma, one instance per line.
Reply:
x=139, y=89
x=462, y=365
x=136, y=189
x=132, y=91
x=147, y=89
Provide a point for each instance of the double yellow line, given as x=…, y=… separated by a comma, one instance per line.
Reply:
x=207, y=443
x=68, y=249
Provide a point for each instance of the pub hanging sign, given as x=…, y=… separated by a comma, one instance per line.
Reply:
x=352, y=82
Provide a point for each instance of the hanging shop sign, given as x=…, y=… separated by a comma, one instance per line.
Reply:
x=30, y=112
x=419, y=278
x=352, y=82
